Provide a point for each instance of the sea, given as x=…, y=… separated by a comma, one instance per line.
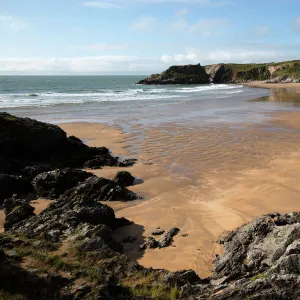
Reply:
x=119, y=100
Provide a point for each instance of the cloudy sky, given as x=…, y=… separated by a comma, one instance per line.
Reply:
x=143, y=36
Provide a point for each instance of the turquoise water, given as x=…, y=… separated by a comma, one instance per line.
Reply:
x=117, y=99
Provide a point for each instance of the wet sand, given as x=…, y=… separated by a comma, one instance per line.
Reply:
x=205, y=180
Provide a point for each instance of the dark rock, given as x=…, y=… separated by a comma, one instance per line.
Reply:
x=10, y=185
x=53, y=184
x=31, y=172
x=181, y=278
x=124, y=178
x=167, y=238
x=25, y=142
x=186, y=74
x=104, y=190
x=16, y=210
x=150, y=243
x=158, y=232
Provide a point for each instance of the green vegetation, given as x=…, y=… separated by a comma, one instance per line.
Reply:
x=259, y=276
x=157, y=292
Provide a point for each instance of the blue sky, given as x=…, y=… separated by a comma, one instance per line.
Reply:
x=143, y=36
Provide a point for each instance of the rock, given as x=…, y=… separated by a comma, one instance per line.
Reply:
x=25, y=142
x=181, y=278
x=158, y=232
x=104, y=190
x=164, y=241
x=10, y=185
x=124, y=178
x=150, y=243
x=31, y=172
x=167, y=238
x=16, y=210
x=186, y=74
x=53, y=184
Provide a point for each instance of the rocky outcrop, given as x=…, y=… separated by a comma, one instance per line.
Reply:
x=185, y=74
x=26, y=143
x=284, y=72
x=10, y=184
x=52, y=184
x=163, y=242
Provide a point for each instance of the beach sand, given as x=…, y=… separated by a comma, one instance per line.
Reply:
x=205, y=180
x=262, y=84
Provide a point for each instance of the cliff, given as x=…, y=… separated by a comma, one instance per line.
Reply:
x=285, y=72
x=187, y=74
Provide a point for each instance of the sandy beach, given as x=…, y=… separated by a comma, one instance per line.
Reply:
x=263, y=84
x=205, y=179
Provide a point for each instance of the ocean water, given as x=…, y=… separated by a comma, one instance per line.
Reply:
x=118, y=99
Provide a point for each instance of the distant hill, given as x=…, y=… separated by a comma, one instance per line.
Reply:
x=288, y=71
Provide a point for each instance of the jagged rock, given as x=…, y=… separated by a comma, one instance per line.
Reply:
x=181, y=278
x=25, y=142
x=16, y=210
x=10, y=185
x=124, y=178
x=186, y=74
x=31, y=172
x=158, y=232
x=150, y=243
x=105, y=190
x=53, y=184
x=164, y=241
x=167, y=238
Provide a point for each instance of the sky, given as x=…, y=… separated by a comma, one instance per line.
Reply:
x=143, y=36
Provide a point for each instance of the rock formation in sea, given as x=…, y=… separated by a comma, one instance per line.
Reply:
x=68, y=250
x=284, y=72
x=186, y=74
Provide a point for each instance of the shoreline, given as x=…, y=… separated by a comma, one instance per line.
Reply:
x=262, y=84
x=202, y=207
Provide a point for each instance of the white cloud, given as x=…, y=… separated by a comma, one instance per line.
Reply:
x=261, y=31
x=143, y=23
x=120, y=3
x=12, y=23
x=192, y=55
x=181, y=12
x=296, y=24
x=126, y=64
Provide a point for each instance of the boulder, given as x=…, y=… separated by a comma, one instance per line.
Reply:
x=10, y=185
x=124, y=178
x=53, y=184
x=25, y=142
x=104, y=190
x=16, y=210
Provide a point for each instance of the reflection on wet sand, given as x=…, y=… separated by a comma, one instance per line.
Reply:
x=283, y=95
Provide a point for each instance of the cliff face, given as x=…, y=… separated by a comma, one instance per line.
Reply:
x=187, y=74
x=228, y=73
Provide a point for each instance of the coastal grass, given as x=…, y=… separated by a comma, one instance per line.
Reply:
x=160, y=292
x=57, y=262
x=259, y=276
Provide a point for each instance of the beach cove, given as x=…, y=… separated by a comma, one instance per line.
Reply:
x=205, y=174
